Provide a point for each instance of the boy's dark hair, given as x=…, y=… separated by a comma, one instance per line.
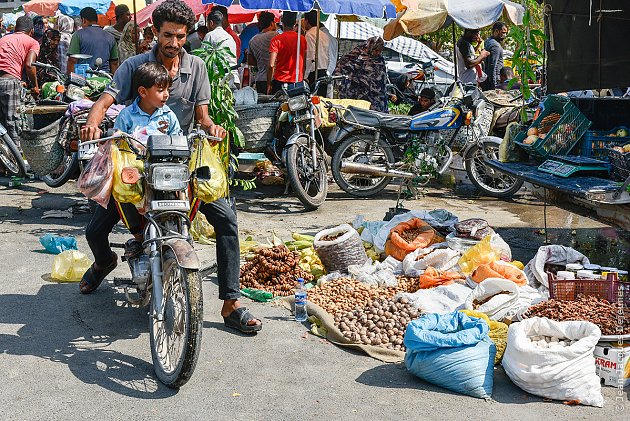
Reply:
x=174, y=11
x=498, y=25
x=288, y=20
x=89, y=14
x=151, y=74
x=24, y=24
x=265, y=19
x=216, y=17
x=311, y=17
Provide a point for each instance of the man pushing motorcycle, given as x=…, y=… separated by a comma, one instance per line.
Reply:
x=189, y=98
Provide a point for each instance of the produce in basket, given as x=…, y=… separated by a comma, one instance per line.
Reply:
x=609, y=317
x=275, y=270
x=382, y=322
x=344, y=294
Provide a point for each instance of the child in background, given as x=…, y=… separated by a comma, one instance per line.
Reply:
x=149, y=114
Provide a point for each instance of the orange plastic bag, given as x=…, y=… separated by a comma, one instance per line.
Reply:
x=499, y=269
x=423, y=236
x=433, y=278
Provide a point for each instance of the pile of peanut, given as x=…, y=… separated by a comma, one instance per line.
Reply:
x=344, y=294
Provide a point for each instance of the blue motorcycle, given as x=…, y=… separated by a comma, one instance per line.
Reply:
x=372, y=148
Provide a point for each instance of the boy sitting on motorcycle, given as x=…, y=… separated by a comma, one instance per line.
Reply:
x=147, y=115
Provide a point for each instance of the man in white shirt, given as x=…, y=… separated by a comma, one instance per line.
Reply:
x=219, y=35
x=328, y=50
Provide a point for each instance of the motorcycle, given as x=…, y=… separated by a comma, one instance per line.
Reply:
x=298, y=146
x=165, y=273
x=73, y=87
x=10, y=155
x=373, y=148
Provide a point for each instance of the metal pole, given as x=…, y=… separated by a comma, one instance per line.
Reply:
x=135, y=27
x=317, y=48
x=297, y=59
x=455, y=53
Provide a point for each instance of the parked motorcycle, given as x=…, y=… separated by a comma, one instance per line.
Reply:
x=10, y=155
x=298, y=146
x=373, y=148
x=165, y=274
x=73, y=87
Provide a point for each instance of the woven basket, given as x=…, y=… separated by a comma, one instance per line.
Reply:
x=338, y=254
x=40, y=145
x=256, y=122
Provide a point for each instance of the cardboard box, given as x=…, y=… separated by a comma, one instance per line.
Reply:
x=612, y=363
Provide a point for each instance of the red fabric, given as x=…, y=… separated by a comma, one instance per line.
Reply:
x=234, y=35
x=13, y=51
x=285, y=45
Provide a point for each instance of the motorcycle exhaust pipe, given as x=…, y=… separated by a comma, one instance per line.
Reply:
x=366, y=169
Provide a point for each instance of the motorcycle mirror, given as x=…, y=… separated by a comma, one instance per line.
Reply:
x=98, y=62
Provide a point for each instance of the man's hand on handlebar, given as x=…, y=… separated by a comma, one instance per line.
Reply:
x=89, y=132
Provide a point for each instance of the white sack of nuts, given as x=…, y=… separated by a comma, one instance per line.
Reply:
x=565, y=373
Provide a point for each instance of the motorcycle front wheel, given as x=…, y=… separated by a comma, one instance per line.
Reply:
x=360, y=148
x=489, y=181
x=176, y=340
x=10, y=157
x=64, y=172
x=309, y=180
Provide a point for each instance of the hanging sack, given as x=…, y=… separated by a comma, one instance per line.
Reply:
x=124, y=160
x=95, y=181
x=209, y=178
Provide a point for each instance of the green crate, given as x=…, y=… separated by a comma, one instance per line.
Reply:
x=564, y=134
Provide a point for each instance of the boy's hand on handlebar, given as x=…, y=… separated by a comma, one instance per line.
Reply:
x=89, y=132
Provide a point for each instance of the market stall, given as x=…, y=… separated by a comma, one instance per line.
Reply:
x=445, y=296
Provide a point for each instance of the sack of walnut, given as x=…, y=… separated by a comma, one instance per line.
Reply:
x=340, y=247
x=562, y=369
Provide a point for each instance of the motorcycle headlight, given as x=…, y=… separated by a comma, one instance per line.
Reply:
x=75, y=93
x=298, y=103
x=169, y=177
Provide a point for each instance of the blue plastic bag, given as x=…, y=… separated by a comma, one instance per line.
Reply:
x=56, y=244
x=453, y=351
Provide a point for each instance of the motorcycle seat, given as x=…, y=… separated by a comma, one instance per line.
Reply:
x=375, y=119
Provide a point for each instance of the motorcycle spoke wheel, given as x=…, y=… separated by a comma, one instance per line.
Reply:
x=488, y=180
x=308, y=178
x=10, y=157
x=60, y=175
x=176, y=339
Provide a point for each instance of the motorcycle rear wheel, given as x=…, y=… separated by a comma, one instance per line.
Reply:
x=488, y=181
x=358, y=146
x=309, y=180
x=64, y=172
x=176, y=341
x=10, y=157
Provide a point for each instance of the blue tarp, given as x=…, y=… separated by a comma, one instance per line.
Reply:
x=73, y=7
x=365, y=8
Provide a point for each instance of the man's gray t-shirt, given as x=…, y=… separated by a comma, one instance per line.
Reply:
x=494, y=62
x=259, y=47
x=190, y=87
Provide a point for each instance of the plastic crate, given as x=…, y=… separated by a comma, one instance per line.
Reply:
x=568, y=290
x=619, y=164
x=595, y=143
x=563, y=135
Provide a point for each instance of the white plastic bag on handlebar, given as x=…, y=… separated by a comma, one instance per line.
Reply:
x=95, y=181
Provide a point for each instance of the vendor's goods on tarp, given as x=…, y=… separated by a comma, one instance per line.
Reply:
x=556, y=255
x=501, y=270
x=432, y=278
x=275, y=270
x=490, y=249
x=475, y=229
x=70, y=266
x=493, y=297
x=344, y=294
x=498, y=332
x=453, y=351
x=409, y=236
x=382, y=322
x=339, y=247
x=611, y=319
x=268, y=174
x=419, y=260
x=565, y=373
x=612, y=364
x=442, y=299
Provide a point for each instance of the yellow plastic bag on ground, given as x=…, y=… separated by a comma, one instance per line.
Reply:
x=70, y=266
x=126, y=193
x=498, y=332
x=201, y=230
x=479, y=254
x=209, y=180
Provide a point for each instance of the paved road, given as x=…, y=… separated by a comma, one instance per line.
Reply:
x=68, y=356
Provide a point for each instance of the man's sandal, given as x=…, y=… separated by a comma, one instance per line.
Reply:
x=93, y=277
x=238, y=320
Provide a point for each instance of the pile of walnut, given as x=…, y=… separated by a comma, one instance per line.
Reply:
x=590, y=309
x=344, y=294
x=275, y=270
x=382, y=323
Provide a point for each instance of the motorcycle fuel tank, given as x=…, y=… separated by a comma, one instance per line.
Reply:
x=441, y=119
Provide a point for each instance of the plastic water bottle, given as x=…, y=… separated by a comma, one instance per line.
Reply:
x=300, y=301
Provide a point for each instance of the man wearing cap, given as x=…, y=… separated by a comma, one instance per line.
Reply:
x=425, y=101
x=123, y=16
